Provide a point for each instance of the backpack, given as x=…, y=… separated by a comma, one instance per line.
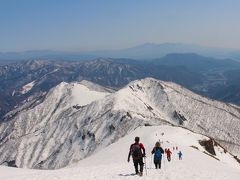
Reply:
x=136, y=151
x=157, y=154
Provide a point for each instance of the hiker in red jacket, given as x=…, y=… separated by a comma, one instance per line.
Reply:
x=168, y=152
x=137, y=151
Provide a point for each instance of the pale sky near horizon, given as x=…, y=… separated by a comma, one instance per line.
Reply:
x=80, y=25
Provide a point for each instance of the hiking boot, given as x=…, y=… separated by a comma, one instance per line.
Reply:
x=140, y=174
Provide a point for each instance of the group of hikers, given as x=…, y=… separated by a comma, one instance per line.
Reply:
x=137, y=151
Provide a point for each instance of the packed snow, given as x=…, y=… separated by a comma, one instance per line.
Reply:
x=111, y=162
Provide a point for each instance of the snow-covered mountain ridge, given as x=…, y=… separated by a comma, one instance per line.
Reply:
x=42, y=130
x=213, y=118
x=65, y=128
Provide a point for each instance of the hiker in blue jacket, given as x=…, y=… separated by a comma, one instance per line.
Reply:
x=157, y=151
x=180, y=155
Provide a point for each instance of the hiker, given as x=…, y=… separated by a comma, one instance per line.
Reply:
x=180, y=155
x=137, y=151
x=157, y=151
x=168, y=152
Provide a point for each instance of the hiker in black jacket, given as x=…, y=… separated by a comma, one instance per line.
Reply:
x=157, y=151
x=137, y=151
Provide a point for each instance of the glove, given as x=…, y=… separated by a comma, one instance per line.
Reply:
x=128, y=160
x=144, y=155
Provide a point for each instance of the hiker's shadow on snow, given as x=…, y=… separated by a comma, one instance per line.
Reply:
x=132, y=174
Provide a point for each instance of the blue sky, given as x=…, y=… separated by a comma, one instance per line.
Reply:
x=80, y=25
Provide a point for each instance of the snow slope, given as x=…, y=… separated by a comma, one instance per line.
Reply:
x=85, y=93
x=111, y=162
x=63, y=130
x=38, y=133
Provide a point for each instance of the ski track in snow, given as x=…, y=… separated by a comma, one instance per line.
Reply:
x=111, y=162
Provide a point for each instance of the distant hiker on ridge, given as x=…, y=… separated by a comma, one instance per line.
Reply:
x=168, y=152
x=157, y=151
x=180, y=155
x=137, y=151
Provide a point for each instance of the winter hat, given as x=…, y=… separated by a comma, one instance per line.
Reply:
x=137, y=139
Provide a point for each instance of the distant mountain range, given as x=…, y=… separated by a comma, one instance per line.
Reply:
x=214, y=78
x=142, y=52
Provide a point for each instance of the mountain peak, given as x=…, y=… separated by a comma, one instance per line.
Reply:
x=80, y=93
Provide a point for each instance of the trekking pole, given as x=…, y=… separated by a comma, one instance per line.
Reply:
x=164, y=162
x=145, y=165
x=151, y=162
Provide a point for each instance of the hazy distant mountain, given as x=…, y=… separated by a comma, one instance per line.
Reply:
x=195, y=62
x=152, y=51
x=145, y=51
x=235, y=54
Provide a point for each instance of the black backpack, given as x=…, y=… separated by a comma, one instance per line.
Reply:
x=136, y=151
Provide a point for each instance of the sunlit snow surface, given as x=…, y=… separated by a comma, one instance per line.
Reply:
x=111, y=162
x=82, y=95
x=27, y=87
